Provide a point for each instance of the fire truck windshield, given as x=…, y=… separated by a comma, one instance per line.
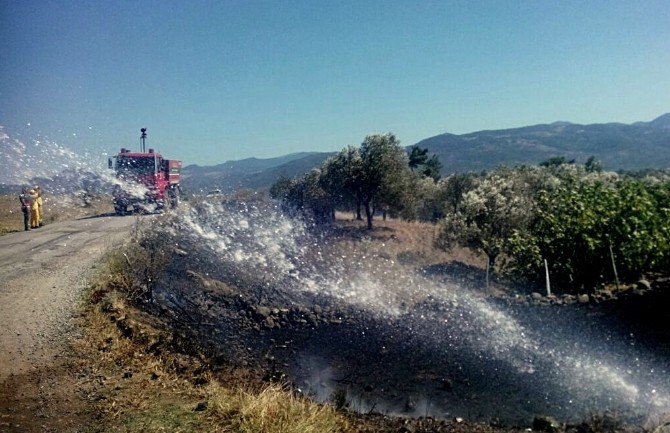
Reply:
x=135, y=165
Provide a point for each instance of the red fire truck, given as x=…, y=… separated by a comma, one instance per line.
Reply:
x=147, y=181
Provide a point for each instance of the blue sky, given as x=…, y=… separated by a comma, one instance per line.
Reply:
x=215, y=81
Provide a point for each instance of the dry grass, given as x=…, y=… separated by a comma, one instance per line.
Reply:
x=55, y=208
x=133, y=390
x=272, y=410
x=411, y=242
x=141, y=385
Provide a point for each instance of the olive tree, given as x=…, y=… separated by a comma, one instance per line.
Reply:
x=341, y=177
x=384, y=174
x=488, y=214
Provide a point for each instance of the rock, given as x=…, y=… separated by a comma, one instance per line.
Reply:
x=311, y=319
x=583, y=298
x=536, y=296
x=546, y=424
x=643, y=285
x=263, y=312
x=269, y=323
x=201, y=406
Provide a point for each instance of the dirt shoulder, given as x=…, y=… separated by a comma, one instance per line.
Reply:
x=43, y=274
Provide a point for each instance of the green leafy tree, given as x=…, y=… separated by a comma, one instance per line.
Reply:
x=488, y=214
x=417, y=157
x=306, y=196
x=432, y=167
x=581, y=224
x=454, y=187
x=282, y=188
x=555, y=161
x=384, y=173
x=342, y=178
x=593, y=165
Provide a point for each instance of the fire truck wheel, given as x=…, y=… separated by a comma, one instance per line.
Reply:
x=173, y=197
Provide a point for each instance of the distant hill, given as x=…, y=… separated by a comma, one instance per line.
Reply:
x=619, y=146
x=249, y=173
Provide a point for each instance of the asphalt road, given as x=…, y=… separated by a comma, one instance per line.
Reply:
x=42, y=275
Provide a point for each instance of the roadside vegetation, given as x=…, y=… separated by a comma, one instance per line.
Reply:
x=146, y=375
x=151, y=379
x=592, y=227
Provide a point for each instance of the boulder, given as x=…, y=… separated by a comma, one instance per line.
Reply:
x=643, y=285
x=269, y=323
x=263, y=312
x=536, y=296
x=583, y=298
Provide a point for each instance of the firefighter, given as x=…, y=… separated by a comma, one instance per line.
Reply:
x=34, y=209
x=39, y=205
x=24, y=198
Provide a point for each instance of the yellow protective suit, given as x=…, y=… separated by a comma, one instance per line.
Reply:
x=34, y=210
x=39, y=207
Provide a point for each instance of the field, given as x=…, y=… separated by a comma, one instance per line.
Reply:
x=55, y=208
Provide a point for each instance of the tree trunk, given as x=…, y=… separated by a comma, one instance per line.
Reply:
x=368, y=214
x=491, y=258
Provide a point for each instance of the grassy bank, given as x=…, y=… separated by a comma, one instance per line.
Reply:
x=146, y=381
x=150, y=375
x=147, y=385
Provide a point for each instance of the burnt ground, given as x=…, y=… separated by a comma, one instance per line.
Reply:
x=406, y=365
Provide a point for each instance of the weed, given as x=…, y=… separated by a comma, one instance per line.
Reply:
x=272, y=410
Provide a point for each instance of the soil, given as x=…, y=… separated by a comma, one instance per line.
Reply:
x=44, y=273
x=399, y=366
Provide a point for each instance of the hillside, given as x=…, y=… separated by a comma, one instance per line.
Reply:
x=619, y=146
x=249, y=173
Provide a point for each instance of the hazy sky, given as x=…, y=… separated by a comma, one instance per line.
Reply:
x=224, y=80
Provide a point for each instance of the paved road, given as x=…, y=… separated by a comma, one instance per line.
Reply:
x=42, y=275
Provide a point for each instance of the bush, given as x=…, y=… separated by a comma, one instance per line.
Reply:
x=580, y=225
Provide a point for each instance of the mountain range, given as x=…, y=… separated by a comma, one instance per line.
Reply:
x=618, y=146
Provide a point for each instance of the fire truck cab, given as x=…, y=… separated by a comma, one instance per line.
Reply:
x=147, y=181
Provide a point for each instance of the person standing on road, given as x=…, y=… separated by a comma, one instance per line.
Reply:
x=39, y=205
x=24, y=198
x=34, y=209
